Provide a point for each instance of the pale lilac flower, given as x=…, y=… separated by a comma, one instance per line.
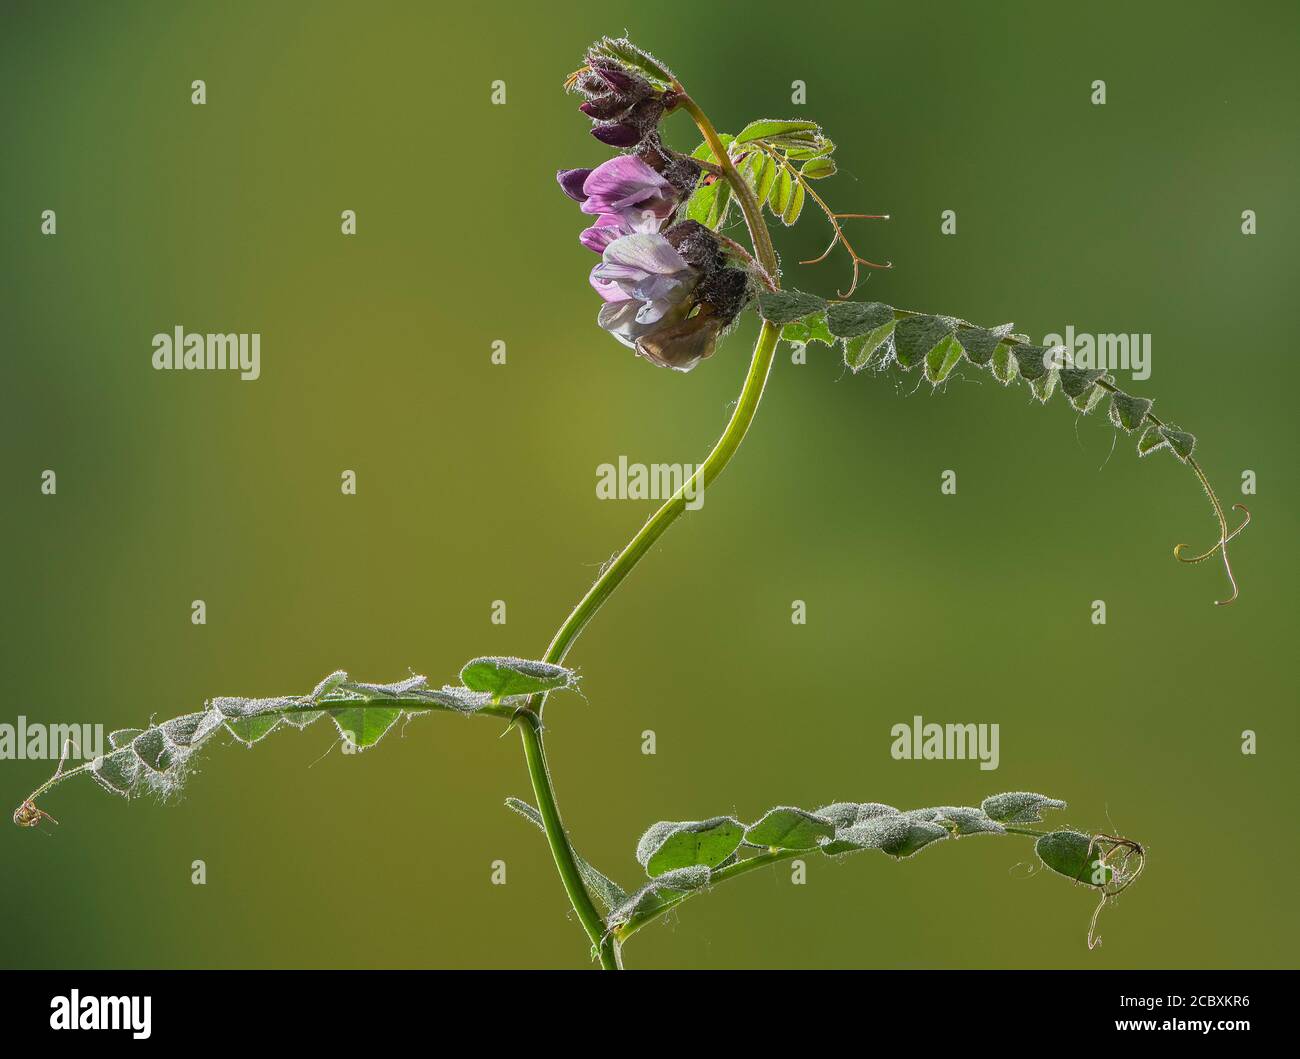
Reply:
x=612, y=226
x=645, y=283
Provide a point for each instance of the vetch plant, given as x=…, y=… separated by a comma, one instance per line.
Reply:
x=671, y=286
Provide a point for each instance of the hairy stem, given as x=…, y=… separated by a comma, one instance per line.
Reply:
x=607, y=945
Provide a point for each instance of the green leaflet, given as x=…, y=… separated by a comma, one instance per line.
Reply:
x=1151, y=440
x=1018, y=807
x=1127, y=412
x=978, y=343
x=660, y=891
x=1179, y=440
x=782, y=192
x=864, y=328
x=504, y=678
x=702, y=201
x=915, y=836
x=809, y=329
x=818, y=168
x=608, y=892
x=823, y=147
x=669, y=844
x=941, y=360
x=1074, y=855
x=788, y=828
x=963, y=820
x=1075, y=382
x=871, y=348
x=786, y=306
x=769, y=128
x=916, y=336
x=764, y=169
x=854, y=319
x=1030, y=361
x=1003, y=365
x=795, y=206
x=362, y=726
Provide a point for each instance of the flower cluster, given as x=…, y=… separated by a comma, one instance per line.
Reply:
x=669, y=289
x=624, y=107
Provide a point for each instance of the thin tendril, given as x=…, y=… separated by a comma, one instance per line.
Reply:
x=834, y=218
x=1221, y=546
x=1130, y=849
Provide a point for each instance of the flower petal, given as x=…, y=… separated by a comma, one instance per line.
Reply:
x=571, y=182
x=619, y=319
x=624, y=182
x=608, y=227
x=648, y=251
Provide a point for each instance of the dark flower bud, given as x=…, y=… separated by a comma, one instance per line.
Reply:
x=571, y=181
x=617, y=134
x=682, y=345
x=602, y=108
x=615, y=77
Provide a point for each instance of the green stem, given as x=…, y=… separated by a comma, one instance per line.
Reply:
x=743, y=193
x=743, y=415
x=607, y=946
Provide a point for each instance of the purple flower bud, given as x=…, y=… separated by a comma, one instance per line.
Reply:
x=571, y=181
x=618, y=79
x=615, y=134
x=602, y=108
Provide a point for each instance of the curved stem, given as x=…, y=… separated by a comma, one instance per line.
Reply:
x=607, y=944
x=728, y=443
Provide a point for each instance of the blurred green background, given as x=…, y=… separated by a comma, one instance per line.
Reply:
x=477, y=482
